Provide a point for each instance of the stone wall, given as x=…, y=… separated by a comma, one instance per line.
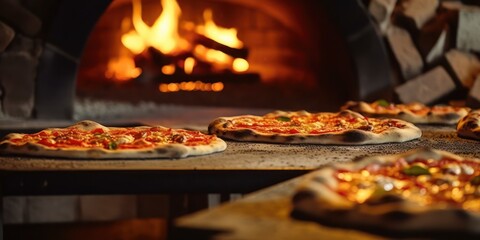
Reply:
x=21, y=46
x=20, y=49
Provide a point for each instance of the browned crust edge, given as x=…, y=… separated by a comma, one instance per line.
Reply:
x=315, y=199
x=442, y=119
x=163, y=151
x=220, y=127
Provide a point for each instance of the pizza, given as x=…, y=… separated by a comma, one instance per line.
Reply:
x=469, y=126
x=91, y=140
x=340, y=128
x=412, y=112
x=423, y=191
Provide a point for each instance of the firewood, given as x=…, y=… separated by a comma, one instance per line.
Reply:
x=471, y=2
x=468, y=36
x=6, y=36
x=420, y=11
x=465, y=66
x=427, y=88
x=405, y=51
x=18, y=69
x=200, y=39
x=473, y=99
x=437, y=35
x=381, y=10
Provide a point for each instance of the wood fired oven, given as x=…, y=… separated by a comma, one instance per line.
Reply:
x=302, y=55
x=54, y=70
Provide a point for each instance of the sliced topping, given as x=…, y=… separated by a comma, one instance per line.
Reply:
x=178, y=138
x=467, y=169
x=421, y=181
x=284, y=119
x=124, y=139
x=475, y=180
x=416, y=170
x=315, y=123
x=112, y=145
x=114, y=138
x=382, y=102
x=454, y=169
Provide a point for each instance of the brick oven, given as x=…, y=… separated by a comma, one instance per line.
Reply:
x=300, y=55
x=55, y=54
x=62, y=60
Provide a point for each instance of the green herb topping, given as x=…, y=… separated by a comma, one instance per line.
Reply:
x=283, y=119
x=416, y=170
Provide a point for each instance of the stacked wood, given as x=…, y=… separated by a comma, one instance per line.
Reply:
x=6, y=36
x=436, y=46
x=381, y=10
x=473, y=99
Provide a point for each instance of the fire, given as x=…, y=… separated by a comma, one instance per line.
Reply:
x=122, y=69
x=163, y=35
x=226, y=36
x=191, y=86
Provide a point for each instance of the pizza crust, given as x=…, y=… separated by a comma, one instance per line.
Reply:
x=221, y=127
x=314, y=199
x=448, y=118
x=469, y=126
x=175, y=150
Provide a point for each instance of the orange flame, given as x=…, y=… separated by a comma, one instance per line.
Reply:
x=122, y=69
x=225, y=36
x=163, y=35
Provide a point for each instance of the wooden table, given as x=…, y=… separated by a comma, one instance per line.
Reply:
x=261, y=215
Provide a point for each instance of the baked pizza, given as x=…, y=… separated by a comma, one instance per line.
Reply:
x=422, y=191
x=469, y=126
x=91, y=140
x=412, y=112
x=341, y=128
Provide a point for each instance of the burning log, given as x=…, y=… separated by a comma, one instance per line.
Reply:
x=152, y=60
x=200, y=39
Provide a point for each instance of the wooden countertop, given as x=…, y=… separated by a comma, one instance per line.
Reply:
x=260, y=215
